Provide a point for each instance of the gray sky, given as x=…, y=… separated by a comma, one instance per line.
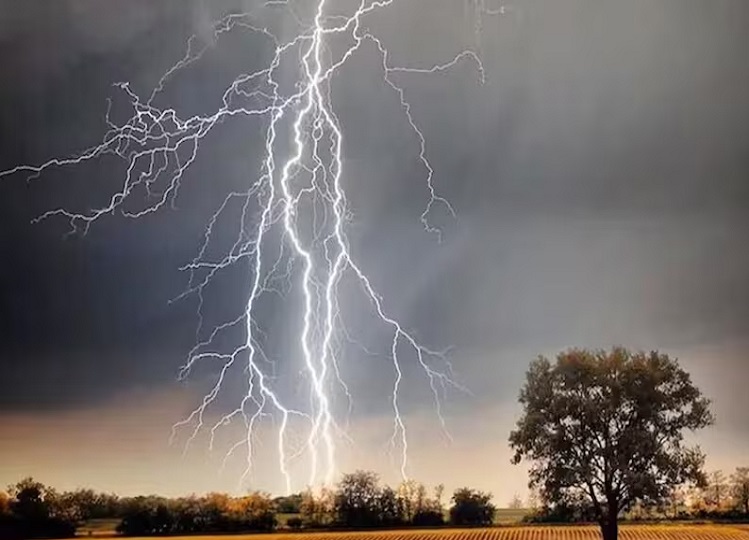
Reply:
x=600, y=183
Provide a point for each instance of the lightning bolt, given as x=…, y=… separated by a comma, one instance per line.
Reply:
x=158, y=147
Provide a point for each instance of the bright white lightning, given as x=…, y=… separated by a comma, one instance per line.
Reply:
x=159, y=146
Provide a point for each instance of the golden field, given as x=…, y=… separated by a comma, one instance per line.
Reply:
x=635, y=532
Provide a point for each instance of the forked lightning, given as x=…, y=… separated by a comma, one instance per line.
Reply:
x=303, y=181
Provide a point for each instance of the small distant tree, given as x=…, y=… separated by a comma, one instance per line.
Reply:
x=108, y=506
x=389, y=508
x=214, y=510
x=253, y=512
x=609, y=426
x=740, y=489
x=357, y=499
x=429, y=512
x=676, y=505
x=33, y=513
x=516, y=503
x=439, y=491
x=534, y=500
x=471, y=507
x=412, y=495
x=716, y=491
x=317, y=509
x=28, y=499
x=290, y=504
x=188, y=518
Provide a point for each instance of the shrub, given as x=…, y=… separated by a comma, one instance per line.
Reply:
x=428, y=518
x=471, y=507
x=295, y=523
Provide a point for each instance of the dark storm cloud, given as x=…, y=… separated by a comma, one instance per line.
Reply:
x=82, y=318
x=599, y=179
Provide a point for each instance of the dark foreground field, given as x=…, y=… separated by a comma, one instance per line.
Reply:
x=636, y=532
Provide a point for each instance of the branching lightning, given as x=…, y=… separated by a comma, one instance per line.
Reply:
x=158, y=147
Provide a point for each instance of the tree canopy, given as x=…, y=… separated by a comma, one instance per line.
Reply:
x=471, y=507
x=609, y=426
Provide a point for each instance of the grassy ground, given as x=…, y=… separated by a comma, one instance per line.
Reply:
x=283, y=518
x=628, y=532
x=98, y=527
x=506, y=516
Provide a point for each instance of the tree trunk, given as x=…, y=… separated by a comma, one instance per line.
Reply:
x=610, y=524
x=610, y=530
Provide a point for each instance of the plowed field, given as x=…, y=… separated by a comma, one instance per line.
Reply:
x=643, y=532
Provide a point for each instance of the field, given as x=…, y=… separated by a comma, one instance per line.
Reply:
x=506, y=516
x=636, y=532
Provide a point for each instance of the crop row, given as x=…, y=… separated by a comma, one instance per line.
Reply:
x=539, y=533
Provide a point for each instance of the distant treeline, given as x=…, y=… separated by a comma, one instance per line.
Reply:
x=32, y=510
x=721, y=498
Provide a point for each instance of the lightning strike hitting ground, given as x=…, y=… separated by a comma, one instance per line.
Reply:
x=307, y=179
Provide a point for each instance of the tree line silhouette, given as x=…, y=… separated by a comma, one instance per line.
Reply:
x=29, y=509
x=33, y=510
x=719, y=499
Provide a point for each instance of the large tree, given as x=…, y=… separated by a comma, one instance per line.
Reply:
x=609, y=426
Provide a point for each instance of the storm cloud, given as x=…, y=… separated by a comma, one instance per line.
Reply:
x=600, y=179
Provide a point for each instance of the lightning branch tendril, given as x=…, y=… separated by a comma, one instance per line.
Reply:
x=158, y=147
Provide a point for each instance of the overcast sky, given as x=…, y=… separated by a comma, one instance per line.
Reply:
x=600, y=181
